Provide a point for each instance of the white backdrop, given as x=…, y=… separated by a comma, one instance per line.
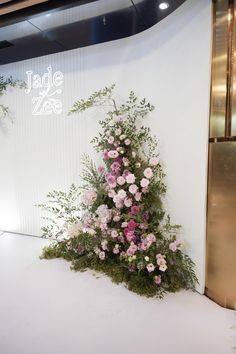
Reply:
x=170, y=65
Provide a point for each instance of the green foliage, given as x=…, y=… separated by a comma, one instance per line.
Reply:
x=62, y=209
x=5, y=83
x=90, y=175
x=98, y=98
x=138, y=283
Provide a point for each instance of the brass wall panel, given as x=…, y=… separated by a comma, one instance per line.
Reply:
x=221, y=224
x=219, y=68
x=233, y=121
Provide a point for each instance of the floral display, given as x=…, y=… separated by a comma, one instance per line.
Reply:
x=115, y=222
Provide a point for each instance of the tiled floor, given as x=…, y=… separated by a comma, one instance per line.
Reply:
x=47, y=309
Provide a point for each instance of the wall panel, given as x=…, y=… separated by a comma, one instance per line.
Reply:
x=170, y=65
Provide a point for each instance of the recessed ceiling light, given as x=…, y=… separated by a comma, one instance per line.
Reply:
x=163, y=5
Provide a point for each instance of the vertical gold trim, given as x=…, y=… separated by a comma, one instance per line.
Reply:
x=230, y=62
x=221, y=196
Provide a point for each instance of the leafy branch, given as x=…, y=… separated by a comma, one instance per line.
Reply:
x=98, y=98
x=5, y=83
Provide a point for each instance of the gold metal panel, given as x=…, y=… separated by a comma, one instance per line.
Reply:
x=233, y=119
x=219, y=68
x=221, y=224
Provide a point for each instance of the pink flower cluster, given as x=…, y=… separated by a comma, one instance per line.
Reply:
x=124, y=224
x=161, y=262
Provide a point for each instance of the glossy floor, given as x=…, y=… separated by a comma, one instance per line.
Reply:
x=47, y=309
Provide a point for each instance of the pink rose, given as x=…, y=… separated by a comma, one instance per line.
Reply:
x=153, y=161
x=150, y=267
x=161, y=262
x=137, y=196
x=145, y=217
x=101, y=169
x=121, y=180
x=145, y=190
x=126, y=173
x=115, y=166
x=105, y=155
x=144, y=182
x=116, y=250
x=88, y=197
x=111, y=180
x=127, y=141
x=157, y=279
x=111, y=193
x=131, y=225
x=143, y=226
x=114, y=234
x=131, y=250
x=119, y=205
x=148, y=172
x=160, y=259
x=133, y=188
x=134, y=210
x=128, y=202
x=131, y=178
x=130, y=236
x=116, y=199
x=125, y=161
x=121, y=194
x=113, y=154
x=163, y=267
x=151, y=238
x=174, y=246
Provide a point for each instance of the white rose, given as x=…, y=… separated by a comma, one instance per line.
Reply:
x=118, y=131
x=133, y=188
x=130, y=178
x=74, y=229
x=110, y=139
x=102, y=255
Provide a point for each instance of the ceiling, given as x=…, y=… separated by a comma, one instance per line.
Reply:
x=48, y=26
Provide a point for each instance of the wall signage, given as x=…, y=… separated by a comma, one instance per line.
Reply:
x=48, y=88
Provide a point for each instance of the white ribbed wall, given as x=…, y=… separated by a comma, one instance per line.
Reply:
x=170, y=65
